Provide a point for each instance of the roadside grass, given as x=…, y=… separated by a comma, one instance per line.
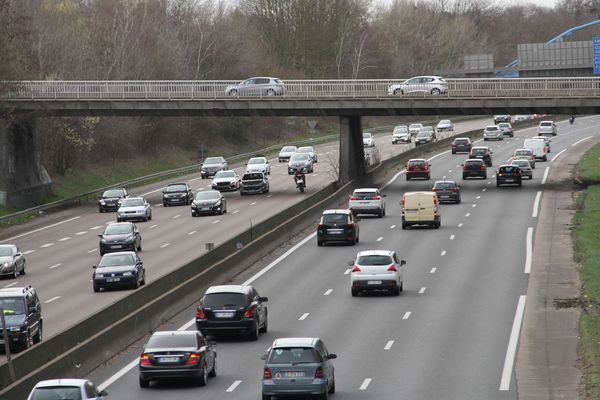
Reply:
x=587, y=237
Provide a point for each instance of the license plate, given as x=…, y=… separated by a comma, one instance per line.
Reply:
x=509, y=180
x=224, y=314
x=169, y=359
x=293, y=374
x=118, y=246
x=411, y=211
x=113, y=279
x=373, y=282
x=335, y=231
x=204, y=209
x=444, y=196
x=1, y=341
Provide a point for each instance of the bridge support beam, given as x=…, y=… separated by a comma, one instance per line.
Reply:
x=352, y=159
x=23, y=179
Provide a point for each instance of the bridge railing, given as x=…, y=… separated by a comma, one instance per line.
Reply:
x=294, y=89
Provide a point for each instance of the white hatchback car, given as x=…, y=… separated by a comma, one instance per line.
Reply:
x=367, y=201
x=401, y=134
x=258, y=164
x=420, y=85
x=493, y=132
x=81, y=389
x=368, y=140
x=375, y=270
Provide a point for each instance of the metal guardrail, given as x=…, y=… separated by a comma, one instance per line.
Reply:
x=294, y=89
x=78, y=199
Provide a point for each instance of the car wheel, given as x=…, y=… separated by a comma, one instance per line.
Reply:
x=233, y=92
x=23, y=269
x=545, y=158
x=458, y=201
x=253, y=335
x=407, y=178
x=136, y=283
x=213, y=371
x=16, y=272
x=396, y=291
x=435, y=91
x=203, y=376
x=464, y=177
x=453, y=152
x=28, y=340
x=403, y=225
x=520, y=184
x=398, y=92
x=380, y=214
x=354, y=292
x=320, y=243
x=39, y=335
x=221, y=211
x=139, y=247
x=143, y=281
x=118, y=219
x=266, y=397
x=484, y=139
x=144, y=383
x=332, y=388
x=100, y=210
x=96, y=288
x=384, y=211
x=497, y=184
x=265, y=326
x=270, y=92
x=485, y=176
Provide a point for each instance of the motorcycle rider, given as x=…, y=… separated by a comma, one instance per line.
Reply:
x=572, y=119
x=299, y=175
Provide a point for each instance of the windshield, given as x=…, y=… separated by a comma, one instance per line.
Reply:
x=177, y=188
x=12, y=305
x=217, y=300
x=171, y=341
x=113, y=193
x=424, y=134
x=256, y=175
x=56, y=393
x=415, y=126
x=5, y=251
x=212, y=160
x=444, y=122
x=117, y=229
x=225, y=174
x=366, y=136
x=504, y=125
x=491, y=128
x=305, y=150
x=426, y=129
x=212, y=195
x=375, y=260
x=293, y=355
x=299, y=157
x=400, y=129
x=255, y=161
x=132, y=203
x=116, y=260
x=288, y=149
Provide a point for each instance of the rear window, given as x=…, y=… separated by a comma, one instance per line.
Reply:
x=461, y=141
x=170, y=341
x=56, y=392
x=417, y=163
x=293, y=355
x=509, y=169
x=478, y=152
x=522, y=152
x=521, y=163
x=364, y=195
x=545, y=123
x=375, y=260
x=335, y=219
x=444, y=185
x=474, y=162
x=216, y=300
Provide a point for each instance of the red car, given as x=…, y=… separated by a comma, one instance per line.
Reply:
x=418, y=168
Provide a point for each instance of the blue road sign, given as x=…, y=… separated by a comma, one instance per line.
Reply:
x=596, y=43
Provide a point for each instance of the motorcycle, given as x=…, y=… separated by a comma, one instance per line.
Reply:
x=300, y=185
x=572, y=119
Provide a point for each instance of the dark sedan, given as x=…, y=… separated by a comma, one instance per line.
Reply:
x=176, y=355
x=120, y=236
x=447, y=191
x=474, y=168
x=117, y=270
x=111, y=200
x=209, y=203
x=461, y=145
x=509, y=175
x=232, y=309
x=177, y=193
x=338, y=226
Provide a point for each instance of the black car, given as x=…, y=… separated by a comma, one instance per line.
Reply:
x=338, y=226
x=120, y=236
x=482, y=152
x=447, y=191
x=461, y=145
x=509, y=175
x=111, y=199
x=117, y=270
x=210, y=202
x=175, y=355
x=23, y=316
x=254, y=182
x=424, y=137
x=474, y=168
x=232, y=309
x=177, y=193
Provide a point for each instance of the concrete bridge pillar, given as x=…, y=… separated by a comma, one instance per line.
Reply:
x=23, y=179
x=352, y=159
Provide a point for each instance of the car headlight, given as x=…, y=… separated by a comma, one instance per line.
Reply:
x=217, y=204
x=99, y=276
x=129, y=239
x=127, y=273
x=194, y=205
x=7, y=264
x=15, y=329
x=102, y=202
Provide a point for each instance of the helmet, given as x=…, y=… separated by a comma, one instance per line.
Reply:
x=299, y=169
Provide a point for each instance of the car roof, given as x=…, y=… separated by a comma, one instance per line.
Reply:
x=261, y=77
x=295, y=341
x=417, y=159
x=176, y=183
x=480, y=147
x=120, y=223
x=328, y=212
x=119, y=253
x=366, y=190
x=174, y=333
x=491, y=126
x=61, y=382
x=445, y=181
x=474, y=159
x=521, y=149
x=8, y=245
x=12, y=291
x=426, y=76
x=135, y=198
x=374, y=253
x=242, y=289
x=422, y=192
x=547, y=121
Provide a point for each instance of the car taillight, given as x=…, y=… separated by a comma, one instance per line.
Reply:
x=434, y=190
x=200, y=314
x=454, y=190
x=376, y=198
x=356, y=268
x=453, y=145
x=320, y=226
x=465, y=168
x=482, y=168
x=267, y=374
x=194, y=358
x=353, y=198
x=250, y=313
x=145, y=359
x=403, y=201
x=392, y=268
x=319, y=373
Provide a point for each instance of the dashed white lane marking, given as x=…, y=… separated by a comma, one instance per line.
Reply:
x=195, y=179
x=52, y=299
x=433, y=270
x=176, y=216
x=528, y=250
x=285, y=188
x=458, y=166
x=474, y=205
x=450, y=170
x=557, y=155
x=536, y=204
x=478, y=197
x=158, y=205
x=347, y=271
x=81, y=233
x=46, y=245
x=406, y=315
x=55, y=266
x=582, y=140
x=64, y=239
x=28, y=252
x=165, y=245
x=388, y=345
x=467, y=214
x=153, y=226
x=443, y=253
x=460, y=225
x=269, y=195
x=379, y=239
x=236, y=211
x=545, y=177
x=451, y=237
x=233, y=386
x=392, y=227
x=512, y=345
x=152, y=191
x=41, y=229
x=91, y=251
x=365, y=384
x=11, y=284
x=216, y=221
x=93, y=228
x=303, y=316
x=253, y=203
x=489, y=182
x=327, y=292
x=422, y=290
x=315, y=174
x=192, y=232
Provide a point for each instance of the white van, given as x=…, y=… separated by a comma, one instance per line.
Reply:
x=420, y=208
x=538, y=147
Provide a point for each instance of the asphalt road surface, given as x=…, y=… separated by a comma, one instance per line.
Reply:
x=452, y=333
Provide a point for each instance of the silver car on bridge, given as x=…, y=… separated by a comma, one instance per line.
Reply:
x=258, y=86
x=421, y=85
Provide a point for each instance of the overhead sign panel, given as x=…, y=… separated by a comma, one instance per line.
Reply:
x=596, y=45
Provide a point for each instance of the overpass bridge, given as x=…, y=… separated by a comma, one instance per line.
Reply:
x=23, y=179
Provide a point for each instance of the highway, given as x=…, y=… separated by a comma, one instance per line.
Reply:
x=450, y=335
x=61, y=249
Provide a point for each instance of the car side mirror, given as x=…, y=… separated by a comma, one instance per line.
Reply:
x=19, y=254
x=384, y=195
x=94, y=267
x=104, y=393
x=331, y=356
x=263, y=357
x=402, y=262
x=350, y=263
x=357, y=219
x=263, y=299
x=164, y=191
x=491, y=152
x=100, y=235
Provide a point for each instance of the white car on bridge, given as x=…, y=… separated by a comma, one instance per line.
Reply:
x=420, y=85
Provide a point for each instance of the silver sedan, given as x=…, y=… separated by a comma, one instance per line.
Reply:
x=12, y=261
x=134, y=208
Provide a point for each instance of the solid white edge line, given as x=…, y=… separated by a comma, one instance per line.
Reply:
x=233, y=386
x=528, y=250
x=365, y=384
x=40, y=229
x=512, y=345
x=582, y=140
x=118, y=375
x=536, y=204
x=557, y=155
x=545, y=177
